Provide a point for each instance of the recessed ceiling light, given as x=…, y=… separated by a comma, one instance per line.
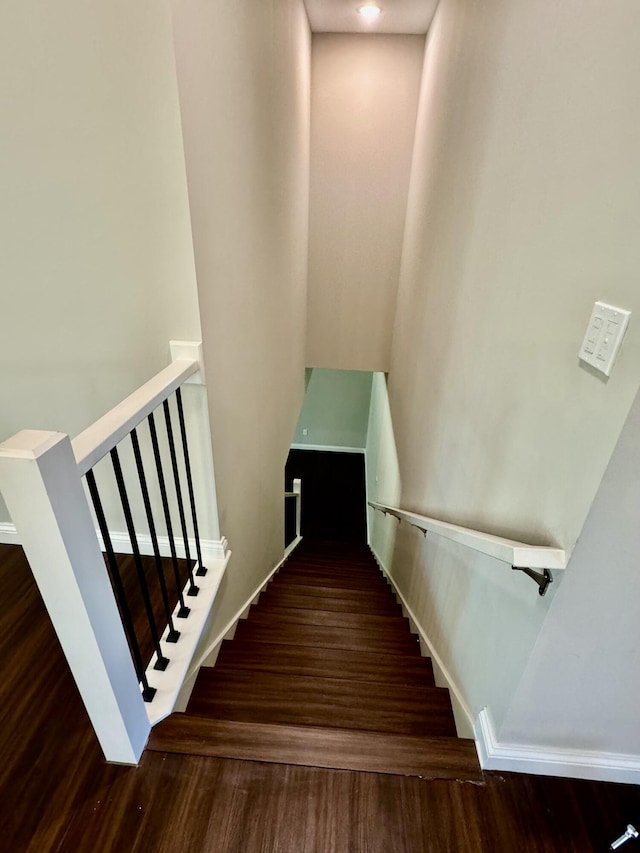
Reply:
x=369, y=12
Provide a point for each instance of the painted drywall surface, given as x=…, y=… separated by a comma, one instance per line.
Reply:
x=522, y=212
x=382, y=470
x=480, y=617
x=96, y=267
x=364, y=99
x=243, y=74
x=581, y=687
x=335, y=411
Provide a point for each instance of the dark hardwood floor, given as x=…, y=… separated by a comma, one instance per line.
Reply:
x=58, y=794
x=135, y=599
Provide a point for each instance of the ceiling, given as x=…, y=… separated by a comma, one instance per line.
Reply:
x=398, y=16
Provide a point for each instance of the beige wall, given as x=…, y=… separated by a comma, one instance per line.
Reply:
x=481, y=619
x=580, y=687
x=96, y=266
x=243, y=72
x=364, y=99
x=523, y=210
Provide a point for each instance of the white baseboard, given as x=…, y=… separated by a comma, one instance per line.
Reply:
x=462, y=713
x=330, y=447
x=211, y=652
x=8, y=533
x=550, y=761
x=520, y=758
x=213, y=550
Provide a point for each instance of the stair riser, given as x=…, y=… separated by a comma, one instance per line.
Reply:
x=271, y=698
x=357, y=586
x=369, y=572
x=317, y=636
x=266, y=613
x=326, y=663
x=394, y=722
x=299, y=689
x=282, y=598
x=341, y=594
x=441, y=758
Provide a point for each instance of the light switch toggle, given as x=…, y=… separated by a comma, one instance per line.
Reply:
x=604, y=336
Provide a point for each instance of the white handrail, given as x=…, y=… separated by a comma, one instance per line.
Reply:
x=517, y=554
x=103, y=435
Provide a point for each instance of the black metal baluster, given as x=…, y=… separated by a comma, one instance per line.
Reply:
x=187, y=464
x=173, y=635
x=147, y=692
x=161, y=661
x=184, y=610
x=193, y=589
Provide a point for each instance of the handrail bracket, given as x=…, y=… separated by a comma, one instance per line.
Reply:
x=543, y=578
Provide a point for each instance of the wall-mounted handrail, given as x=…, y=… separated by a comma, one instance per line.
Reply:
x=518, y=554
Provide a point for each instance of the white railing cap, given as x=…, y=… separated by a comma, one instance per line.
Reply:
x=103, y=435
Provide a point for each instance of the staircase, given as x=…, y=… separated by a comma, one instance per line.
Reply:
x=324, y=673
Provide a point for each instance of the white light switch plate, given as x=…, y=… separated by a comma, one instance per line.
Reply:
x=603, y=336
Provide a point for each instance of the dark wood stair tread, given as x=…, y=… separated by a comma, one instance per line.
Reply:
x=327, y=636
x=261, y=697
x=325, y=663
x=282, y=585
x=337, y=582
x=271, y=613
x=361, y=573
x=319, y=599
x=335, y=569
x=374, y=752
x=320, y=550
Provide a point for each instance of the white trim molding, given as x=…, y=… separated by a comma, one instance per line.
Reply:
x=242, y=613
x=462, y=712
x=551, y=761
x=8, y=533
x=330, y=447
x=189, y=351
x=169, y=682
x=518, y=758
x=213, y=550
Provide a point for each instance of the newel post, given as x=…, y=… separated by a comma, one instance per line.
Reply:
x=43, y=491
x=297, y=490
